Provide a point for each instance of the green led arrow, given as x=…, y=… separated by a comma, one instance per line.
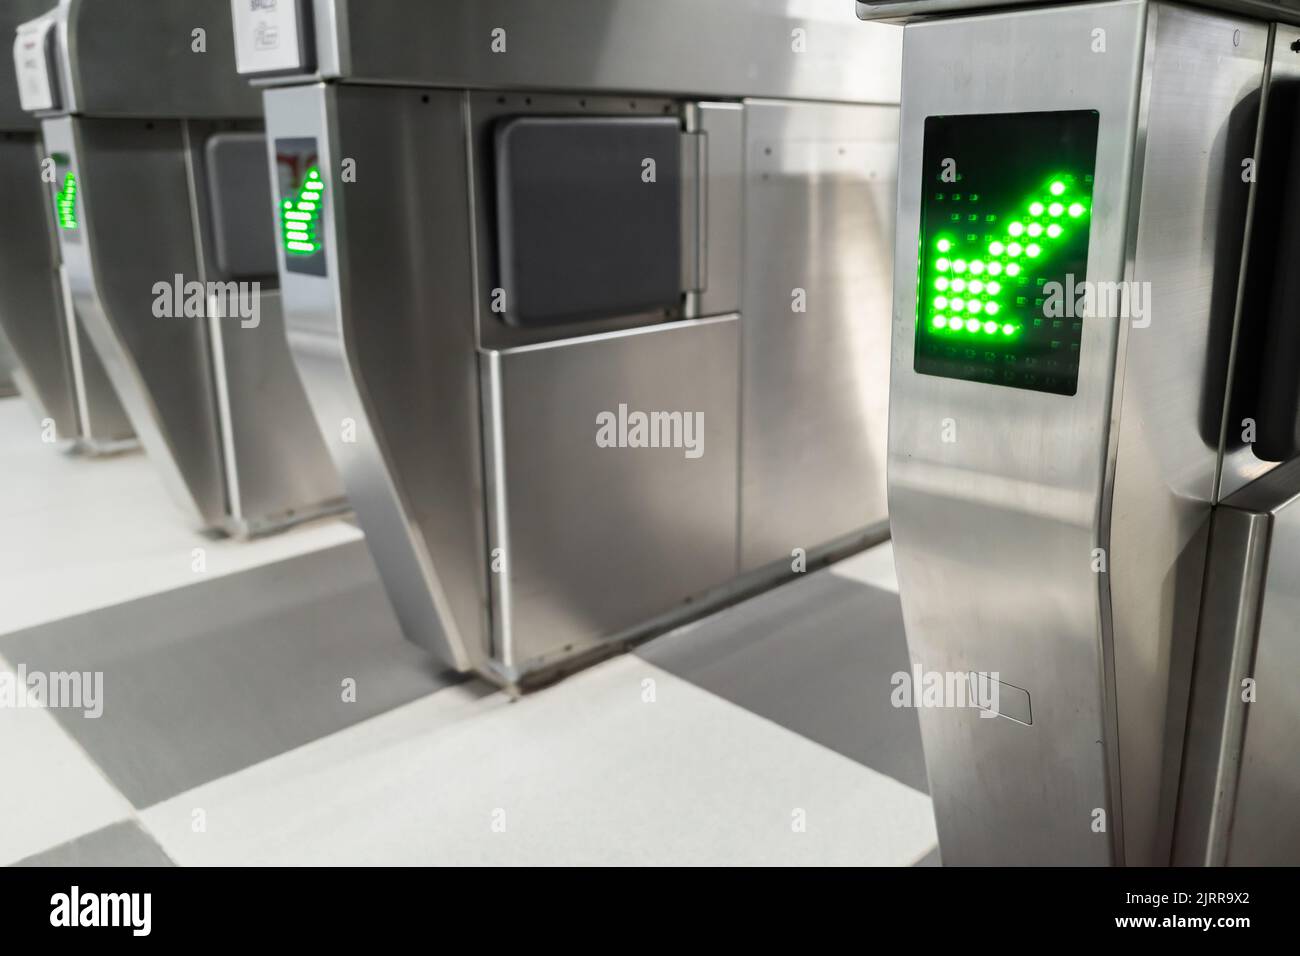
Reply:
x=968, y=287
x=65, y=203
x=300, y=217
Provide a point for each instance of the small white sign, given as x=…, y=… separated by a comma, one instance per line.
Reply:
x=267, y=35
x=33, y=63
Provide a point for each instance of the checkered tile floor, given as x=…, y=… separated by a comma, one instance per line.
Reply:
x=760, y=735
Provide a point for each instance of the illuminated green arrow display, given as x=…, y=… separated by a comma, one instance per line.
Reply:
x=65, y=202
x=1006, y=212
x=300, y=217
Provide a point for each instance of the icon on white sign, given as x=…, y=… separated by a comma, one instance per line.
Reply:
x=266, y=36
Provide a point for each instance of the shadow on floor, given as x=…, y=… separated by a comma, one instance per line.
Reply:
x=816, y=656
x=202, y=681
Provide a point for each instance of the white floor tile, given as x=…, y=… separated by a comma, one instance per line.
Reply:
x=586, y=772
x=51, y=791
x=81, y=533
x=875, y=566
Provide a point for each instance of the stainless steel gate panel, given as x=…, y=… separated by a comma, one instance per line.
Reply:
x=135, y=176
x=1241, y=780
x=819, y=202
x=62, y=375
x=161, y=231
x=125, y=55
x=992, y=535
x=1059, y=539
x=385, y=343
x=431, y=385
x=596, y=540
x=731, y=48
x=1203, y=72
x=278, y=470
x=30, y=293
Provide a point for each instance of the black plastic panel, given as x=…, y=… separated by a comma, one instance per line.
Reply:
x=239, y=191
x=1006, y=208
x=581, y=234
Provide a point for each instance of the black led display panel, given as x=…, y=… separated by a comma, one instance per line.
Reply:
x=1006, y=209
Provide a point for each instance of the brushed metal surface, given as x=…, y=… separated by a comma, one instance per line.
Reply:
x=1265, y=828
x=993, y=532
x=597, y=540
x=820, y=187
x=385, y=345
x=277, y=469
x=1240, y=779
x=129, y=58
x=689, y=48
x=902, y=10
x=8, y=367
x=722, y=126
x=1234, y=576
x=387, y=340
x=1205, y=70
x=137, y=230
x=31, y=312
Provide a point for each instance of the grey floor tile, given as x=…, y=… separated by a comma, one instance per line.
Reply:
x=122, y=844
x=816, y=656
x=205, y=680
x=930, y=859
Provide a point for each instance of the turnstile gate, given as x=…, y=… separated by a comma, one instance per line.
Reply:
x=163, y=224
x=590, y=299
x=61, y=376
x=1092, y=347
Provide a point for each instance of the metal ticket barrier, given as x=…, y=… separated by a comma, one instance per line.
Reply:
x=8, y=364
x=590, y=299
x=161, y=211
x=59, y=374
x=1094, y=379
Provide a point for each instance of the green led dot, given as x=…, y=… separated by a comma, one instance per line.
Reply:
x=939, y=322
x=991, y=308
x=1055, y=209
x=957, y=304
x=1016, y=229
x=941, y=284
x=972, y=325
x=1008, y=329
x=958, y=285
x=954, y=324
x=990, y=327
x=972, y=305
x=1056, y=188
x=995, y=268
x=994, y=288
x=996, y=248
x=941, y=265
x=941, y=302
x=1035, y=229
x=1013, y=269
x=959, y=265
x=1014, y=249
x=943, y=245
x=1035, y=209
x=976, y=286
x=1032, y=250
x=1076, y=210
